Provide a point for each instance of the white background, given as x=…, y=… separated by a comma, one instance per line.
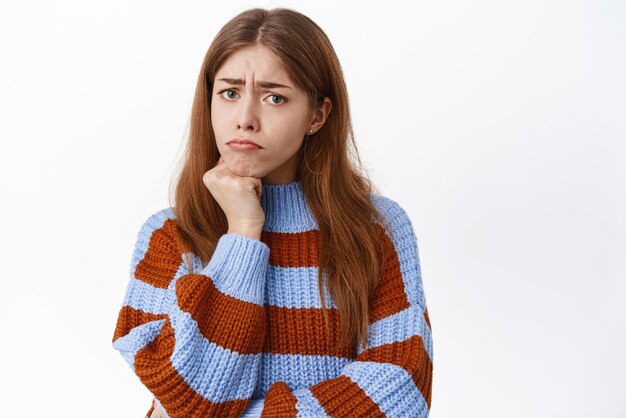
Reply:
x=498, y=125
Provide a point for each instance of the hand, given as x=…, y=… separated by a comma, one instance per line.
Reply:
x=239, y=198
x=157, y=412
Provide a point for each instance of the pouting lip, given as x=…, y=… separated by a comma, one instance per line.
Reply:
x=244, y=141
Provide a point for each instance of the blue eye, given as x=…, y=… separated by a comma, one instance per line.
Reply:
x=280, y=99
x=230, y=94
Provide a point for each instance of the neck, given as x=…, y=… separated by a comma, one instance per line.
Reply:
x=285, y=208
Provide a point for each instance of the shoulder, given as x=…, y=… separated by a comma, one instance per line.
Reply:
x=157, y=255
x=385, y=204
x=157, y=219
x=395, y=216
x=404, y=241
x=160, y=223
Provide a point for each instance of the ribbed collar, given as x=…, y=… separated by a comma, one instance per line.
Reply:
x=286, y=209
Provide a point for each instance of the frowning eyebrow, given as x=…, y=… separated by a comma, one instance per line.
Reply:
x=264, y=84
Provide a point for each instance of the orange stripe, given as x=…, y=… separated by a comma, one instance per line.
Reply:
x=224, y=320
x=389, y=297
x=130, y=318
x=301, y=249
x=279, y=402
x=154, y=369
x=341, y=397
x=303, y=331
x=427, y=318
x=163, y=257
x=411, y=355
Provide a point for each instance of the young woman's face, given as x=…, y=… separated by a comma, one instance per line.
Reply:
x=254, y=99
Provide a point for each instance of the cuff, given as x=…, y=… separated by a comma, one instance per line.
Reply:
x=238, y=267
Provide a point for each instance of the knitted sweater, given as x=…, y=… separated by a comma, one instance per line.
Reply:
x=245, y=335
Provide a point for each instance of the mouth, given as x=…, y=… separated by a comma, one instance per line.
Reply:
x=243, y=141
x=241, y=144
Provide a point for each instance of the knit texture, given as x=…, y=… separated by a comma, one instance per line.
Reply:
x=244, y=335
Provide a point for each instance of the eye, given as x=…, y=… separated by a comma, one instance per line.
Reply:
x=277, y=99
x=229, y=94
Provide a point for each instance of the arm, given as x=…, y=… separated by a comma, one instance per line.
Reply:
x=194, y=339
x=392, y=375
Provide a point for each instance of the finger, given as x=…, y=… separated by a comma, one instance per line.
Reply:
x=258, y=187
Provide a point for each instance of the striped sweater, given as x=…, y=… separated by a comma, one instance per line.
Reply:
x=244, y=335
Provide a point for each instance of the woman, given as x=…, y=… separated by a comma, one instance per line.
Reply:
x=278, y=283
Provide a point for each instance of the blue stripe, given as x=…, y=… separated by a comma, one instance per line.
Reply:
x=254, y=409
x=295, y=287
x=238, y=267
x=297, y=370
x=308, y=406
x=151, y=299
x=405, y=243
x=285, y=287
x=144, y=296
x=136, y=339
x=400, y=327
x=391, y=387
x=216, y=373
x=286, y=209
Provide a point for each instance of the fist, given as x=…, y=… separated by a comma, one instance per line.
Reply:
x=239, y=198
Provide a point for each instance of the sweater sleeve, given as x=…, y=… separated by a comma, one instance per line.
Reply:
x=194, y=339
x=392, y=375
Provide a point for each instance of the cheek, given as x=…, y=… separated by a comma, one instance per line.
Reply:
x=221, y=114
x=216, y=116
x=288, y=140
x=292, y=125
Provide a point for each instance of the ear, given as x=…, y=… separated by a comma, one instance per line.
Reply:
x=320, y=114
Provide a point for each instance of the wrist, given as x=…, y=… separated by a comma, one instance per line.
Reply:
x=251, y=231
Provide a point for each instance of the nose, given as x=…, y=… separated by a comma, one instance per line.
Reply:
x=248, y=114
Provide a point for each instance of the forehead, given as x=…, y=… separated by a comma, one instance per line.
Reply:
x=254, y=61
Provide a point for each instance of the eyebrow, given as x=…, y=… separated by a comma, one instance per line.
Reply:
x=264, y=84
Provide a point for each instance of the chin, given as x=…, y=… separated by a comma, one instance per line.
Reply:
x=243, y=168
